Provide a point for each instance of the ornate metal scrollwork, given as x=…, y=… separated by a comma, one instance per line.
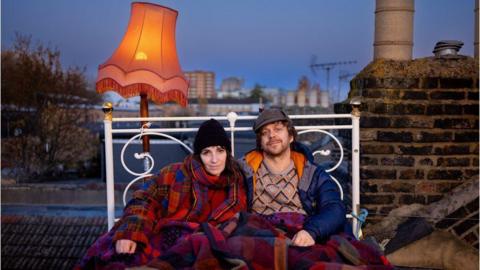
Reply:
x=327, y=153
x=151, y=163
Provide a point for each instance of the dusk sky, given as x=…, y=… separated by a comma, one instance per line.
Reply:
x=266, y=42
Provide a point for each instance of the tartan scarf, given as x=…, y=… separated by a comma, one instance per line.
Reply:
x=201, y=182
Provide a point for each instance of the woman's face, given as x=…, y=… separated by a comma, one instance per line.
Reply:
x=214, y=159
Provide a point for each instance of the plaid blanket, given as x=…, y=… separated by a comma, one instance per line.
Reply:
x=247, y=241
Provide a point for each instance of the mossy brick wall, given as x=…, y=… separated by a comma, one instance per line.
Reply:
x=419, y=130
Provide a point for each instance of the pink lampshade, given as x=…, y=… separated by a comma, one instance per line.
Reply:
x=146, y=60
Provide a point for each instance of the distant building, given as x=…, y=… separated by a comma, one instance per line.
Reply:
x=240, y=93
x=280, y=100
x=230, y=85
x=324, y=99
x=201, y=84
x=218, y=106
x=313, y=97
x=273, y=95
x=291, y=99
x=301, y=98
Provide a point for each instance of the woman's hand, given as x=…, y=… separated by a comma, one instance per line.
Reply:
x=303, y=239
x=125, y=246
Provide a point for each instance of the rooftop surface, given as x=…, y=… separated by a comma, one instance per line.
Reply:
x=47, y=242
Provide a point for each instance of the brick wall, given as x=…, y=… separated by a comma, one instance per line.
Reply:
x=463, y=223
x=419, y=130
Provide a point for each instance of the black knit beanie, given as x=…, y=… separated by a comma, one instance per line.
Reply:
x=211, y=133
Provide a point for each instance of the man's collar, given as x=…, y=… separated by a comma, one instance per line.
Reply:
x=254, y=160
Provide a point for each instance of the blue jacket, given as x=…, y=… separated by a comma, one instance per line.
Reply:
x=318, y=193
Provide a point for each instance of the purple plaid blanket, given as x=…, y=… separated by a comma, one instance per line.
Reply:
x=247, y=242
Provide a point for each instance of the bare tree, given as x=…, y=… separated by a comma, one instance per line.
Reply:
x=44, y=112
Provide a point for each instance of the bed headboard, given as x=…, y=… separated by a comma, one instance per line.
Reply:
x=318, y=131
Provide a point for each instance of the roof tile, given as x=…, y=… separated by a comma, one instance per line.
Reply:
x=19, y=263
x=55, y=263
x=43, y=242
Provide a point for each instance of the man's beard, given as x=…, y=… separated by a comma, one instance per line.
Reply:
x=277, y=151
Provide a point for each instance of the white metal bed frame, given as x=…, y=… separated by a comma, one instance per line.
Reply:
x=232, y=118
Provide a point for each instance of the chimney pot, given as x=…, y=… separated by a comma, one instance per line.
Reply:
x=447, y=47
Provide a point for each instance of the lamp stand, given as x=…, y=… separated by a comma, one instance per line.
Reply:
x=145, y=138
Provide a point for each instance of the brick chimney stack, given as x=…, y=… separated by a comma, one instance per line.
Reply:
x=393, y=29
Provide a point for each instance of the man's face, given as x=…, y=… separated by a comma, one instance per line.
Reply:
x=275, y=139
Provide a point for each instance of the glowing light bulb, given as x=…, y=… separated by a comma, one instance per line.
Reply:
x=140, y=56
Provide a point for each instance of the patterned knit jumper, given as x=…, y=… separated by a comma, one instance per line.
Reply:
x=276, y=192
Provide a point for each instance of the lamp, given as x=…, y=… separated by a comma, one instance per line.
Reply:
x=145, y=63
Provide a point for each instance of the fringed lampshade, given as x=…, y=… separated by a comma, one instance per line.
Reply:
x=145, y=63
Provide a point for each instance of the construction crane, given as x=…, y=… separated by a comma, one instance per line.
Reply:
x=327, y=67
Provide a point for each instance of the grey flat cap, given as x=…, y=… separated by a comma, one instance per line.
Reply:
x=269, y=116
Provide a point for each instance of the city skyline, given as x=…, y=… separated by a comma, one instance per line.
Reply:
x=262, y=43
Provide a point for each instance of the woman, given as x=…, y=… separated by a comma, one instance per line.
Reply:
x=206, y=187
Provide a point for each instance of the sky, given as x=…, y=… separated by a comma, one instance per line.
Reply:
x=265, y=42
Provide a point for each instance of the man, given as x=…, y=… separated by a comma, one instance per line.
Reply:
x=281, y=176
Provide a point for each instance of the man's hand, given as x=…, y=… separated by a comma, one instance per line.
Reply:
x=125, y=246
x=303, y=239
